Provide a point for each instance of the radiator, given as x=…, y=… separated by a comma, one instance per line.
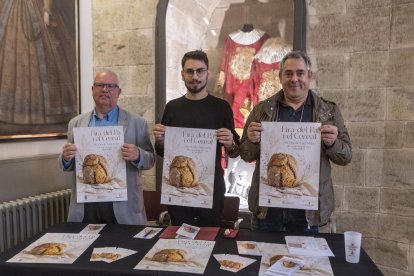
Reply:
x=22, y=218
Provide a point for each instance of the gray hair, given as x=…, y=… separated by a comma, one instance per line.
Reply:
x=296, y=55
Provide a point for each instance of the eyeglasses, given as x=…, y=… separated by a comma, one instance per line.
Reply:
x=109, y=86
x=190, y=72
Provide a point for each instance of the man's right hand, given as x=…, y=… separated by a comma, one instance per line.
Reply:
x=159, y=133
x=69, y=151
x=254, y=131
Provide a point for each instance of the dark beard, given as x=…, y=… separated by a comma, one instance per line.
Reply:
x=195, y=90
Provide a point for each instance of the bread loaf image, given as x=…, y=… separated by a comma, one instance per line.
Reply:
x=282, y=171
x=95, y=169
x=182, y=172
x=170, y=255
x=230, y=264
x=275, y=258
x=286, y=263
x=103, y=255
x=248, y=246
x=50, y=248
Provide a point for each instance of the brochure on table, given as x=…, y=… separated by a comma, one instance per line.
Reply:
x=178, y=255
x=92, y=229
x=286, y=266
x=59, y=248
x=271, y=253
x=308, y=246
x=100, y=169
x=205, y=233
x=188, y=231
x=189, y=165
x=248, y=248
x=233, y=263
x=110, y=254
x=289, y=165
x=148, y=233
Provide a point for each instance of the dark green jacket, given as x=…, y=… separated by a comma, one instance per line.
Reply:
x=340, y=153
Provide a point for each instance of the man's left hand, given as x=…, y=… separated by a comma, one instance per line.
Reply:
x=130, y=152
x=329, y=133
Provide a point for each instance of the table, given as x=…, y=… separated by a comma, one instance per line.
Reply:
x=122, y=236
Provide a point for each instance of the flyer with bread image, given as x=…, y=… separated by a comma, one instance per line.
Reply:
x=62, y=248
x=311, y=265
x=179, y=255
x=100, y=169
x=289, y=165
x=188, y=168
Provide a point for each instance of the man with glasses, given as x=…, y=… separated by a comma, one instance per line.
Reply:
x=137, y=151
x=198, y=109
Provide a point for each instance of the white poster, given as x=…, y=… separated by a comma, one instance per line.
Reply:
x=178, y=255
x=189, y=165
x=271, y=253
x=289, y=165
x=59, y=248
x=100, y=169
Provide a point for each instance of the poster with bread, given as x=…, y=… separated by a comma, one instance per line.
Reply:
x=100, y=169
x=189, y=165
x=179, y=255
x=60, y=248
x=272, y=253
x=289, y=165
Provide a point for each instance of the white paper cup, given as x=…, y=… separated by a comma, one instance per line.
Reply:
x=352, y=246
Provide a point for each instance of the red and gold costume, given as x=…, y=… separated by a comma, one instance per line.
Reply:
x=239, y=51
x=265, y=68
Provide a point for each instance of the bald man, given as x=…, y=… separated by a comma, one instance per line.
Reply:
x=137, y=151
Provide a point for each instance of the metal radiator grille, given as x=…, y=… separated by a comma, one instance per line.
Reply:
x=21, y=219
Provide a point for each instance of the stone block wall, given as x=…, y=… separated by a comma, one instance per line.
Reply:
x=363, y=54
x=123, y=41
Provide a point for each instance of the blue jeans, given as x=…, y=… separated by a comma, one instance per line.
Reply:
x=284, y=220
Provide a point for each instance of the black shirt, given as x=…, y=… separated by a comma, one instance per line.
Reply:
x=286, y=113
x=208, y=113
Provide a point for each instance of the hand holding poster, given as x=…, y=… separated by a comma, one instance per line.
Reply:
x=189, y=165
x=100, y=169
x=289, y=165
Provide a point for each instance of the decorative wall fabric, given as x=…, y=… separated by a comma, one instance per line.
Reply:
x=239, y=51
x=265, y=68
x=37, y=61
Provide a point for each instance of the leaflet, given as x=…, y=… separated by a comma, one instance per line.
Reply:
x=178, y=255
x=59, y=248
x=289, y=165
x=100, y=169
x=308, y=246
x=188, y=168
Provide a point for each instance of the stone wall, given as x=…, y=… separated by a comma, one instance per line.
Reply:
x=363, y=55
x=123, y=41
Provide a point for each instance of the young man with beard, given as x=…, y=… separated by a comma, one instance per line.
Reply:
x=198, y=109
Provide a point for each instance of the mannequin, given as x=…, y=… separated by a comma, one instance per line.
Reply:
x=235, y=70
x=247, y=28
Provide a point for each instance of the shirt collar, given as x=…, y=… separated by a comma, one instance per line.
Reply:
x=282, y=102
x=111, y=116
